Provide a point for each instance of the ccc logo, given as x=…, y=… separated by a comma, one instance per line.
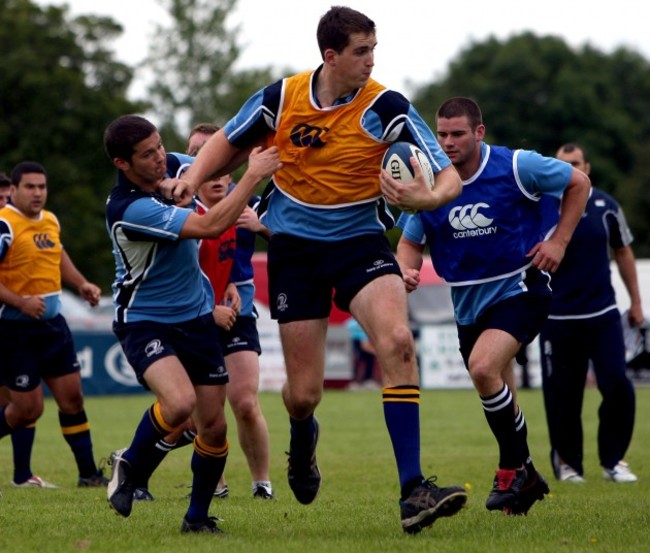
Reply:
x=306, y=136
x=42, y=241
x=469, y=217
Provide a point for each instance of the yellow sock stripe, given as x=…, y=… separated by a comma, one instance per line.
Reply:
x=76, y=429
x=402, y=394
x=206, y=450
x=33, y=425
x=158, y=420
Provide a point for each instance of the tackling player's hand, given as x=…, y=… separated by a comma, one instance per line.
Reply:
x=224, y=316
x=178, y=190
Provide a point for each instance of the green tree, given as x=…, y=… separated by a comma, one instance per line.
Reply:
x=192, y=62
x=537, y=93
x=60, y=87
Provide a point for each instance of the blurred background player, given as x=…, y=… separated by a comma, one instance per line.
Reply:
x=5, y=184
x=365, y=368
x=584, y=329
x=32, y=265
x=22, y=439
x=240, y=341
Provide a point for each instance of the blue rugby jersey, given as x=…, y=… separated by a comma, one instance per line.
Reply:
x=158, y=277
x=582, y=285
x=478, y=241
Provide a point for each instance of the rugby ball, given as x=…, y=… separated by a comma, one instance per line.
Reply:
x=397, y=162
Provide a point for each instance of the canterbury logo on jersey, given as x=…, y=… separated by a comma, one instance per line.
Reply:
x=42, y=241
x=307, y=136
x=471, y=221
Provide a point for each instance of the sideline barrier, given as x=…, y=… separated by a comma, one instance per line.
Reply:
x=104, y=369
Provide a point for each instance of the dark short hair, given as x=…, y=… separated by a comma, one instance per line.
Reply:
x=121, y=136
x=204, y=128
x=573, y=146
x=336, y=26
x=461, y=107
x=5, y=181
x=23, y=168
x=201, y=128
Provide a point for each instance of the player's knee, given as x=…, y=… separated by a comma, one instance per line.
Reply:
x=245, y=408
x=27, y=414
x=71, y=404
x=482, y=374
x=304, y=404
x=177, y=411
x=398, y=344
x=214, y=431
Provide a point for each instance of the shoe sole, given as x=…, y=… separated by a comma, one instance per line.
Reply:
x=114, y=487
x=448, y=507
x=38, y=486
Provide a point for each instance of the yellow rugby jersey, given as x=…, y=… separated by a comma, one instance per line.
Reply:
x=31, y=265
x=328, y=158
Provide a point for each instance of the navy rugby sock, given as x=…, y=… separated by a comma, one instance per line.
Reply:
x=402, y=414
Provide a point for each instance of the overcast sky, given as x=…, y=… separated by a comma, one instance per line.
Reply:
x=417, y=38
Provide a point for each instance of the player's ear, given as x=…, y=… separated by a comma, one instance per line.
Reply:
x=329, y=56
x=120, y=163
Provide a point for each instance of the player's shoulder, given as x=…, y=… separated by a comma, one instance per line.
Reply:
x=533, y=160
x=50, y=217
x=602, y=198
x=390, y=100
x=178, y=163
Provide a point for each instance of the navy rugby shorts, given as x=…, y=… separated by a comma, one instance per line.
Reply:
x=522, y=316
x=195, y=343
x=306, y=275
x=35, y=349
x=243, y=336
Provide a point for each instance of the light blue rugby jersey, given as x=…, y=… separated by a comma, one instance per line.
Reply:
x=158, y=277
x=390, y=118
x=537, y=175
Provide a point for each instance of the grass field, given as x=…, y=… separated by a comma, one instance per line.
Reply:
x=357, y=509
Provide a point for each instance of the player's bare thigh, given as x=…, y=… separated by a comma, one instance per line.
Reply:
x=381, y=307
x=490, y=362
x=170, y=382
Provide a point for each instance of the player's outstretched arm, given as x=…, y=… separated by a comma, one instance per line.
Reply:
x=261, y=164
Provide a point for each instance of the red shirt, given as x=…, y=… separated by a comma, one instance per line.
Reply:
x=216, y=256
